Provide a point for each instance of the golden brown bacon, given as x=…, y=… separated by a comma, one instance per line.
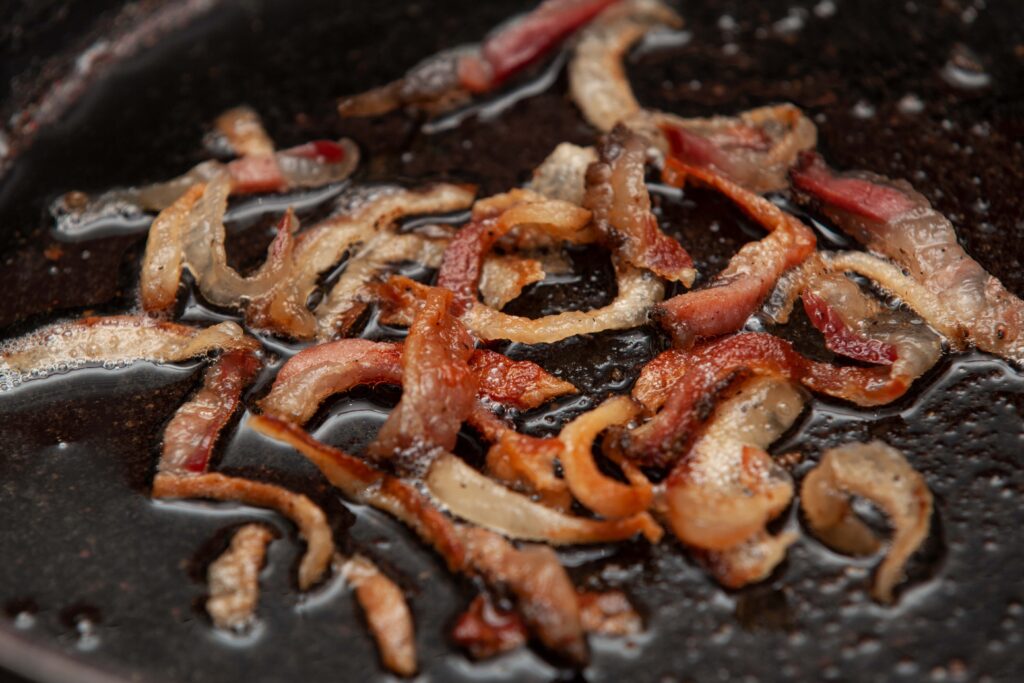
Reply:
x=446, y=79
x=191, y=435
x=893, y=220
x=882, y=475
x=533, y=574
x=309, y=518
x=519, y=384
x=233, y=578
x=118, y=339
x=597, y=78
x=722, y=494
x=434, y=366
x=754, y=150
x=683, y=383
x=738, y=291
x=621, y=207
x=387, y=614
x=562, y=175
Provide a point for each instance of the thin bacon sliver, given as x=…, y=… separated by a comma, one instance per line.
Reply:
x=749, y=562
x=516, y=383
x=727, y=488
x=434, y=364
x=310, y=519
x=387, y=614
x=478, y=499
x=618, y=199
x=881, y=474
x=593, y=489
x=724, y=305
x=597, y=78
x=563, y=174
x=712, y=367
x=893, y=220
x=243, y=132
x=503, y=278
x=233, y=578
x=164, y=257
x=191, y=435
x=118, y=339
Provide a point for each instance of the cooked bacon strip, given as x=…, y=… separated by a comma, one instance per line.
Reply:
x=434, y=365
x=493, y=218
x=754, y=150
x=563, y=174
x=523, y=461
x=714, y=366
x=593, y=489
x=532, y=574
x=486, y=630
x=115, y=339
x=516, y=383
x=478, y=499
x=503, y=278
x=310, y=519
x=597, y=78
x=234, y=578
x=544, y=594
x=726, y=489
x=446, y=79
x=308, y=165
x=893, y=220
x=621, y=206
x=738, y=291
x=191, y=435
x=881, y=474
x=242, y=131
x=165, y=255
x=387, y=614
x=749, y=562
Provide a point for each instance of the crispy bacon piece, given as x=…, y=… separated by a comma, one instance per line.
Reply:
x=597, y=78
x=387, y=614
x=609, y=613
x=241, y=130
x=446, y=79
x=722, y=494
x=598, y=492
x=486, y=630
x=503, y=278
x=754, y=150
x=191, y=435
x=118, y=339
x=519, y=384
x=532, y=574
x=738, y=291
x=234, y=578
x=563, y=174
x=434, y=366
x=493, y=218
x=891, y=219
x=310, y=519
x=474, y=497
x=621, y=207
x=882, y=475
x=712, y=367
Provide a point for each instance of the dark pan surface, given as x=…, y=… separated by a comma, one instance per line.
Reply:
x=89, y=567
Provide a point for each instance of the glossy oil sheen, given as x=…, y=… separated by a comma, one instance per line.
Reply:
x=91, y=567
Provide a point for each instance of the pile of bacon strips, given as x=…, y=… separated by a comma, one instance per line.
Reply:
x=698, y=419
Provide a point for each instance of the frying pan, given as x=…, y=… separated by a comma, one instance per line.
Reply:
x=99, y=584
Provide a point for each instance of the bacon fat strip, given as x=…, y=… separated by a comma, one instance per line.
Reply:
x=233, y=578
x=310, y=519
x=882, y=475
x=387, y=614
x=893, y=220
x=724, y=305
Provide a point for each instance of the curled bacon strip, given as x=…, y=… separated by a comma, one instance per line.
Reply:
x=597, y=79
x=434, y=364
x=234, y=578
x=301, y=510
x=503, y=278
x=754, y=150
x=721, y=496
x=737, y=292
x=446, y=79
x=685, y=381
x=115, y=339
x=191, y=435
x=882, y=475
x=563, y=174
x=621, y=207
x=533, y=574
x=387, y=614
x=891, y=219
x=592, y=488
x=241, y=130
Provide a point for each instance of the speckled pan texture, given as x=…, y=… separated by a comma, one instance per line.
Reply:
x=96, y=577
